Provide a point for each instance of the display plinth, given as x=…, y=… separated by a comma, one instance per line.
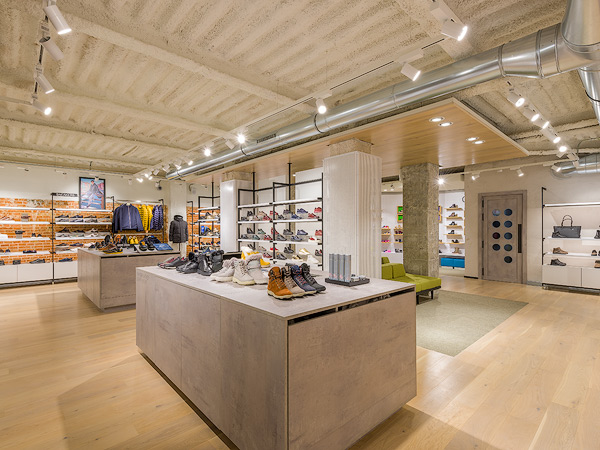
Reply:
x=108, y=280
x=315, y=372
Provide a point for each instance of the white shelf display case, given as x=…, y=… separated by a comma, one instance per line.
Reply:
x=579, y=271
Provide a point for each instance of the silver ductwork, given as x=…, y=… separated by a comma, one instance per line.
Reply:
x=542, y=54
x=589, y=164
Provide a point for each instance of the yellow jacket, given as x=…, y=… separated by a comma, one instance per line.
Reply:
x=146, y=215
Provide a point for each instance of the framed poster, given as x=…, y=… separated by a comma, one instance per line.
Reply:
x=92, y=193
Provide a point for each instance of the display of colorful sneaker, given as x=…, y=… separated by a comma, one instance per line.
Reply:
x=319, y=233
x=318, y=252
x=319, y=212
x=301, y=233
x=288, y=249
x=312, y=216
x=296, y=217
x=308, y=277
x=310, y=259
x=260, y=232
x=303, y=251
x=301, y=211
x=287, y=213
x=267, y=237
x=296, y=239
x=288, y=232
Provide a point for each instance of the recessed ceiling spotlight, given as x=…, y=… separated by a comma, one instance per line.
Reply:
x=481, y=141
x=520, y=172
x=515, y=99
x=436, y=119
x=472, y=138
x=445, y=124
x=207, y=151
x=562, y=148
x=241, y=138
x=190, y=162
x=556, y=140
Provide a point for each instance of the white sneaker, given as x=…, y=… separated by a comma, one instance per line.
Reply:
x=225, y=273
x=253, y=264
x=312, y=260
x=240, y=273
x=304, y=252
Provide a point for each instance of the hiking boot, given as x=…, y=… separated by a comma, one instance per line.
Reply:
x=253, y=264
x=203, y=265
x=557, y=262
x=226, y=272
x=560, y=251
x=277, y=287
x=112, y=249
x=240, y=273
x=298, y=277
x=216, y=260
x=292, y=286
x=309, y=278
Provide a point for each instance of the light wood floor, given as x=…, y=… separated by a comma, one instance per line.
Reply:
x=71, y=377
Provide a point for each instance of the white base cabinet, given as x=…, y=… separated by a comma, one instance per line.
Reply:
x=590, y=277
x=34, y=272
x=65, y=269
x=561, y=275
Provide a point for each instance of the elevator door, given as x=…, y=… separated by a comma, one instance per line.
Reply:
x=502, y=233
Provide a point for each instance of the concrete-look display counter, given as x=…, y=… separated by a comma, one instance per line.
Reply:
x=316, y=372
x=108, y=280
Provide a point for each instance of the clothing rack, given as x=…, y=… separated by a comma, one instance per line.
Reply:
x=160, y=202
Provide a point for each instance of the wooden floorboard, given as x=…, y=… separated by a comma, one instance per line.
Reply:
x=72, y=377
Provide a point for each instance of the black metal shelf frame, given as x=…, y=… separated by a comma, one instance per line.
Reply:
x=212, y=199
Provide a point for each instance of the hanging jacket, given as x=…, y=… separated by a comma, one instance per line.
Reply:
x=127, y=217
x=158, y=218
x=178, y=230
x=144, y=216
x=149, y=214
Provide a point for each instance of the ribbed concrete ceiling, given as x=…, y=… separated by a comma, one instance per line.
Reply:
x=144, y=82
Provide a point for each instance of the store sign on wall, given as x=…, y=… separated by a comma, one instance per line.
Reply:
x=64, y=194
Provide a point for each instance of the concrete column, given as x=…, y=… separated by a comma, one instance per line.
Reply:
x=177, y=206
x=352, y=206
x=420, y=191
x=231, y=182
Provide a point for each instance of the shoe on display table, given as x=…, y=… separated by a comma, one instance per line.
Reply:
x=277, y=287
x=298, y=277
x=241, y=274
x=308, y=277
x=557, y=262
x=560, y=251
x=226, y=272
x=254, y=269
x=297, y=291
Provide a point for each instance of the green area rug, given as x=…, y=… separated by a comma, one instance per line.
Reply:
x=453, y=321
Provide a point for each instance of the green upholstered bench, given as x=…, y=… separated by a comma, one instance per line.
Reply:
x=395, y=272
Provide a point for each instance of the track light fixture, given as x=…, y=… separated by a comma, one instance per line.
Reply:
x=520, y=172
x=451, y=25
x=56, y=17
x=177, y=166
x=52, y=48
x=46, y=110
x=572, y=157
x=474, y=176
x=563, y=148
x=441, y=181
x=140, y=180
x=42, y=81
x=166, y=167
x=531, y=114
x=556, y=140
x=207, y=151
x=190, y=162
x=146, y=174
x=229, y=144
x=515, y=99
x=556, y=168
x=241, y=137
x=410, y=71
x=321, y=106
x=542, y=123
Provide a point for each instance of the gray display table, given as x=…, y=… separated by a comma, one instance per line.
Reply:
x=315, y=372
x=109, y=280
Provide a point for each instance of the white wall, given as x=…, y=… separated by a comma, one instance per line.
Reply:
x=577, y=188
x=38, y=182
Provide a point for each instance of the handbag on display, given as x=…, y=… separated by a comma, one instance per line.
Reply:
x=566, y=231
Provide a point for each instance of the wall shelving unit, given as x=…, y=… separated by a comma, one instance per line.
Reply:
x=579, y=272
x=275, y=215
x=212, y=239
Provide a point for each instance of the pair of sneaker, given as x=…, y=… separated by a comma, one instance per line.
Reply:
x=245, y=272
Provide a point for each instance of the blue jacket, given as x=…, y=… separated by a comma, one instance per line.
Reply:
x=127, y=217
x=158, y=218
